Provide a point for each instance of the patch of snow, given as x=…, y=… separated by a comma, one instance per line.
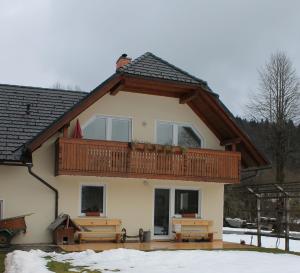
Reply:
x=244, y=229
x=254, y=230
x=26, y=262
x=269, y=242
x=182, y=261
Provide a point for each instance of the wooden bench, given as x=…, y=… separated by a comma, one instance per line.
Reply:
x=94, y=229
x=192, y=228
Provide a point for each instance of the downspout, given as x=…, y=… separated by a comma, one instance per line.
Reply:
x=47, y=185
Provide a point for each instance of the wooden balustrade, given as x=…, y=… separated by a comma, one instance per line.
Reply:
x=119, y=159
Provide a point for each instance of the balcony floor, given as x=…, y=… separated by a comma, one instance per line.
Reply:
x=155, y=245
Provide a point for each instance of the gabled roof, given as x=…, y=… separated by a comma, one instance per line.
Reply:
x=147, y=74
x=150, y=66
x=43, y=106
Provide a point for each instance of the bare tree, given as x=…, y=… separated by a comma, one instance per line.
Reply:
x=277, y=101
x=59, y=85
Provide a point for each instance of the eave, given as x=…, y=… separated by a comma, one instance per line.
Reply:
x=202, y=101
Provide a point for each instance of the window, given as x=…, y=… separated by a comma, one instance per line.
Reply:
x=165, y=133
x=96, y=129
x=177, y=134
x=92, y=199
x=108, y=128
x=120, y=130
x=1, y=209
x=187, y=137
x=186, y=201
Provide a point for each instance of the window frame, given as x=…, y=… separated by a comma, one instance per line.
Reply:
x=108, y=126
x=172, y=205
x=1, y=208
x=175, y=131
x=104, y=214
x=188, y=189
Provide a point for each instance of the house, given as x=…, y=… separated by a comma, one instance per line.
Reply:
x=115, y=170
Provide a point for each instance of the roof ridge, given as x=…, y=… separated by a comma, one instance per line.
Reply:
x=42, y=88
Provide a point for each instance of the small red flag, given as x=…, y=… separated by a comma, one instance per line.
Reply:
x=77, y=130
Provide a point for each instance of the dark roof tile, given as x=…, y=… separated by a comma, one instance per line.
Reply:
x=16, y=127
x=149, y=65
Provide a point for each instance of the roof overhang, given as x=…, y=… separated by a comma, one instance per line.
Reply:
x=202, y=101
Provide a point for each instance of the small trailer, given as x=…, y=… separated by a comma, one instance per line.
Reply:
x=10, y=227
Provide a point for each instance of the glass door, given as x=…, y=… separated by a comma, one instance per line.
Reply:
x=162, y=212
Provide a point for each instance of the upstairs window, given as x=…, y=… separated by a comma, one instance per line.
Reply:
x=177, y=134
x=108, y=128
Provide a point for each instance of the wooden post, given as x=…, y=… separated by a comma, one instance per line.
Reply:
x=233, y=147
x=66, y=131
x=287, y=223
x=258, y=207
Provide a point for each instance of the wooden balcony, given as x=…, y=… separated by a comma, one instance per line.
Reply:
x=120, y=159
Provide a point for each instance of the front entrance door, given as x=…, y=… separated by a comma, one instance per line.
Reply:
x=162, y=212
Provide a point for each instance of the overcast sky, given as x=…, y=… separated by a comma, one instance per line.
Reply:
x=76, y=42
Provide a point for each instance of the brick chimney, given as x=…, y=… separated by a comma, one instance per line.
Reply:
x=123, y=60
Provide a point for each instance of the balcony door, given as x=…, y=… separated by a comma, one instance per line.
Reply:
x=170, y=202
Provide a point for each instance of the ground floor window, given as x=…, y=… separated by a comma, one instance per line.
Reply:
x=1, y=209
x=186, y=201
x=92, y=199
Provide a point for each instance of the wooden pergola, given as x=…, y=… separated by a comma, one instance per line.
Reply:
x=285, y=192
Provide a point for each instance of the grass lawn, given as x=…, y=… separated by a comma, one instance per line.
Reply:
x=59, y=267
x=264, y=250
x=2, y=257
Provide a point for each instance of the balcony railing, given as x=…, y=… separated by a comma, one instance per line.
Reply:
x=120, y=159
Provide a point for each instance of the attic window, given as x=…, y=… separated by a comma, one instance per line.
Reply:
x=177, y=134
x=108, y=128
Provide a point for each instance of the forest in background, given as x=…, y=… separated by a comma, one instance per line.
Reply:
x=243, y=205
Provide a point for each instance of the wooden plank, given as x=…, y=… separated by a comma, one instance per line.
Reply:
x=93, y=221
x=112, y=238
x=98, y=232
x=230, y=141
x=118, y=87
x=188, y=97
x=191, y=222
x=66, y=130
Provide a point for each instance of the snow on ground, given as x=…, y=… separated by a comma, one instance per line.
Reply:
x=269, y=242
x=229, y=229
x=134, y=261
x=23, y=261
x=242, y=230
